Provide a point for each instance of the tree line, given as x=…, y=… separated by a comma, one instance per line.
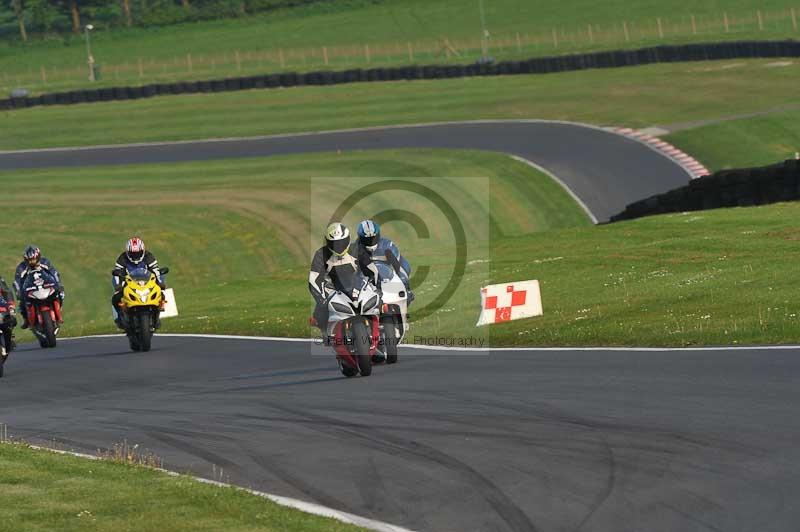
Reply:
x=21, y=19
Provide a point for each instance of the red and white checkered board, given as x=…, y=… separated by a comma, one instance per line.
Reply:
x=510, y=301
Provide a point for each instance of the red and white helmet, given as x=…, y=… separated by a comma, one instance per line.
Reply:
x=134, y=250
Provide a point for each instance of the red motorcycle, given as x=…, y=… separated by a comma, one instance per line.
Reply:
x=7, y=323
x=43, y=306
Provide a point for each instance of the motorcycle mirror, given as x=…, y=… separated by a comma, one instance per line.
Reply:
x=165, y=270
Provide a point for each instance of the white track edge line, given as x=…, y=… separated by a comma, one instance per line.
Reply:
x=297, y=504
x=471, y=349
x=563, y=185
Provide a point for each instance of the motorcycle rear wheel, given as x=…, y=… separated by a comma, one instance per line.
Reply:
x=362, y=339
x=390, y=338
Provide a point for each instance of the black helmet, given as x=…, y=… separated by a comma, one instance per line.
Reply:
x=337, y=238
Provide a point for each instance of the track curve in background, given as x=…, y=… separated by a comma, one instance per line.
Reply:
x=507, y=441
x=605, y=170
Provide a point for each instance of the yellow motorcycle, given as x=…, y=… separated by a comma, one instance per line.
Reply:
x=141, y=304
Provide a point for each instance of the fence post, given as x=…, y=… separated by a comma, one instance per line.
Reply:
x=760, y=20
x=694, y=26
x=555, y=38
x=591, y=34
x=625, y=31
x=189, y=62
x=141, y=68
x=725, y=21
x=660, y=28
x=410, y=53
x=794, y=20
x=281, y=58
x=238, y=61
x=366, y=53
x=519, y=43
x=325, y=55
x=44, y=75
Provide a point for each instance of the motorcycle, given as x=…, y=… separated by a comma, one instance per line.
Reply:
x=141, y=304
x=353, y=326
x=394, y=311
x=43, y=306
x=7, y=322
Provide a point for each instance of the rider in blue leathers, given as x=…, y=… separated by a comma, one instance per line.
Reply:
x=32, y=260
x=369, y=239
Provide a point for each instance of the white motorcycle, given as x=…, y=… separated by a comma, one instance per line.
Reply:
x=353, y=328
x=394, y=311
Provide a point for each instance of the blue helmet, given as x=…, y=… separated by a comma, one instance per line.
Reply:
x=369, y=233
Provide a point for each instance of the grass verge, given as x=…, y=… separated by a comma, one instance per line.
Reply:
x=637, y=97
x=766, y=139
x=45, y=491
x=717, y=277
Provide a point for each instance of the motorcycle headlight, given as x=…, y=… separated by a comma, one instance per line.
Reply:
x=371, y=303
x=143, y=294
x=345, y=309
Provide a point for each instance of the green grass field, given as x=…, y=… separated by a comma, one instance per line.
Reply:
x=293, y=39
x=637, y=97
x=44, y=491
x=766, y=140
x=236, y=234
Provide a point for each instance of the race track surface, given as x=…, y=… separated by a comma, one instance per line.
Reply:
x=605, y=170
x=508, y=441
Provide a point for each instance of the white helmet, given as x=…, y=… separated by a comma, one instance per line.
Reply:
x=337, y=238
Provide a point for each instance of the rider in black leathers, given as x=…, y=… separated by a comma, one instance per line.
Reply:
x=333, y=263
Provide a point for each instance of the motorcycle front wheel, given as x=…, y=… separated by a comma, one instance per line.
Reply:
x=49, y=330
x=4, y=357
x=362, y=339
x=145, y=332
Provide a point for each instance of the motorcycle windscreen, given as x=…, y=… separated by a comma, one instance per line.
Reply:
x=347, y=281
x=385, y=270
x=140, y=274
x=38, y=278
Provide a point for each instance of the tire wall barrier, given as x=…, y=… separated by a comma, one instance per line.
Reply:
x=537, y=65
x=727, y=188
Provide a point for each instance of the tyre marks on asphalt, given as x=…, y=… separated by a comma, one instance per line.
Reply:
x=378, y=440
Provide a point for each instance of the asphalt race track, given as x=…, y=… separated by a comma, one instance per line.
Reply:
x=513, y=440
x=605, y=170
x=562, y=440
